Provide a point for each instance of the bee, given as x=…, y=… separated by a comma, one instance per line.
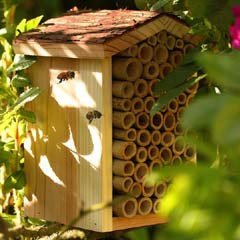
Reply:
x=93, y=115
x=64, y=76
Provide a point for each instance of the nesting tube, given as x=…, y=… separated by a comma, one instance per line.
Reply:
x=180, y=112
x=140, y=172
x=144, y=206
x=175, y=58
x=135, y=190
x=141, y=155
x=121, y=104
x=162, y=37
x=156, y=137
x=137, y=105
x=145, y=53
x=140, y=88
x=173, y=105
x=126, y=135
x=156, y=205
x=176, y=160
x=122, y=89
x=153, y=152
x=122, y=184
x=182, y=98
x=156, y=120
x=165, y=69
x=178, y=129
x=187, y=48
x=178, y=146
x=160, y=54
x=189, y=153
x=193, y=89
x=189, y=99
x=125, y=208
x=152, y=40
x=123, y=120
x=169, y=121
x=123, y=150
x=155, y=164
x=160, y=189
x=150, y=70
x=128, y=69
x=147, y=189
x=151, y=86
x=130, y=52
x=165, y=155
x=168, y=139
x=179, y=43
x=163, y=109
x=171, y=41
x=148, y=103
x=142, y=120
x=143, y=137
x=123, y=168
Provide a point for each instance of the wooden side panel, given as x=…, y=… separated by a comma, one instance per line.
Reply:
x=69, y=153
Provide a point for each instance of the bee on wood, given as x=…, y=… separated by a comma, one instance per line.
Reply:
x=64, y=76
x=91, y=115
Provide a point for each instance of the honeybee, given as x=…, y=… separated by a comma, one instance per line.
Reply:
x=64, y=76
x=93, y=115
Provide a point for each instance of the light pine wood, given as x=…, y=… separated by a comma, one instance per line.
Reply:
x=72, y=174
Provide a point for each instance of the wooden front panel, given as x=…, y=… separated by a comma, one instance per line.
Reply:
x=64, y=164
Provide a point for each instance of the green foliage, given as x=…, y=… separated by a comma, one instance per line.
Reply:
x=16, y=180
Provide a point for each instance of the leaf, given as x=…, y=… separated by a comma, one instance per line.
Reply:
x=159, y=4
x=19, y=81
x=27, y=115
x=21, y=27
x=5, y=156
x=33, y=23
x=16, y=180
x=21, y=62
x=141, y=233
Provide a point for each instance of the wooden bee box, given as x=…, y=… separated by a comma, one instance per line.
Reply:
x=69, y=153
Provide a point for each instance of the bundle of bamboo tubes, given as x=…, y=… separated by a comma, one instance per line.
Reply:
x=144, y=142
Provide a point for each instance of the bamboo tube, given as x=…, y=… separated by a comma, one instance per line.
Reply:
x=128, y=69
x=176, y=160
x=125, y=208
x=163, y=109
x=122, y=89
x=160, y=54
x=123, y=168
x=156, y=137
x=148, y=103
x=160, y=189
x=121, y=104
x=193, y=89
x=153, y=152
x=135, y=190
x=126, y=135
x=123, y=150
x=187, y=48
x=122, y=184
x=141, y=155
x=156, y=205
x=123, y=120
x=145, y=53
x=143, y=137
x=151, y=86
x=178, y=130
x=165, y=155
x=162, y=37
x=165, y=69
x=144, y=206
x=182, y=98
x=189, y=153
x=140, y=88
x=189, y=99
x=156, y=121
x=137, y=105
x=169, y=121
x=168, y=139
x=178, y=146
x=152, y=40
x=130, y=52
x=179, y=43
x=150, y=70
x=147, y=189
x=171, y=41
x=180, y=112
x=155, y=164
x=175, y=58
x=173, y=105
x=140, y=172
x=142, y=120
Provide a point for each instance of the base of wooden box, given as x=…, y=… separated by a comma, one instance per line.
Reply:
x=120, y=223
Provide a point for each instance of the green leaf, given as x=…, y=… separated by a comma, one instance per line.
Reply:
x=33, y=23
x=159, y=4
x=21, y=27
x=27, y=115
x=16, y=180
x=19, y=81
x=141, y=233
x=5, y=156
x=21, y=62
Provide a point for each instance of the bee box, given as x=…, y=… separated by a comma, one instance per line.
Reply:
x=94, y=137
